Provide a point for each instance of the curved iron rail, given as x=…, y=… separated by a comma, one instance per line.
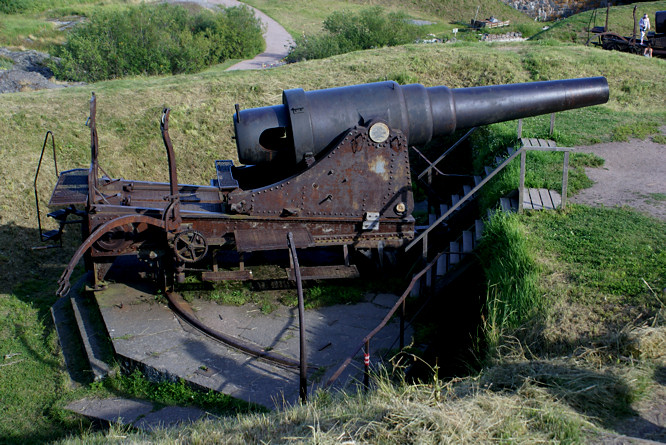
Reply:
x=63, y=282
x=182, y=308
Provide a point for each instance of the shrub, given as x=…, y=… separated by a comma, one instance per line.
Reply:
x=14, y=6
x=345, y=31
x=157, y=39
x=23, y=6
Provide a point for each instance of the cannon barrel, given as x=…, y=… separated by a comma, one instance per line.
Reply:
x=310, y=122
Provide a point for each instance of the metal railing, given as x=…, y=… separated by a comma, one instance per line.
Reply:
x=521, y=189
x=400, y=304
x=365, y=343
x=39, y=166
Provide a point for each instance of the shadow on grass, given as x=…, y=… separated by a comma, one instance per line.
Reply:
x=603, y=397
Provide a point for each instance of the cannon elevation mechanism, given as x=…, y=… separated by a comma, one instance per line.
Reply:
x=329, y=166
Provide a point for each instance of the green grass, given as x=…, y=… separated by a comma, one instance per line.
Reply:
x=32, y=381
x=610, y=253
x=507, y=256
x=6, y=63
x=18, y=6
x=315, y=294
x=575, y=278
x=35, y=27
x=171, y=393
x=28, y=32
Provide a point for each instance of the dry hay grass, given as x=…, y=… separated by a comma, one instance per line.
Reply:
x=460, y=413
x=646, y=342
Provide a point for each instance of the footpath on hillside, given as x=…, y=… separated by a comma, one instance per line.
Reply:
x=29, y=71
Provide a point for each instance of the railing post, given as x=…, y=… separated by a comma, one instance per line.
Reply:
x=565, y=179
x=552, y=123
x=521, y=187
x=303, y=380
x=366, y=362
x=423, y=282
x=402, y=326
x=519, y=132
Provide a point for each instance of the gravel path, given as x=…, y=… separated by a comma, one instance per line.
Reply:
x=634, y=175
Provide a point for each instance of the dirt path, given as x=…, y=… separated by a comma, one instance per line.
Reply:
x=634, y=175
x=278, y=40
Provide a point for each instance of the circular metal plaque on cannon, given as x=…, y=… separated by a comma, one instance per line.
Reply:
x=379, y=132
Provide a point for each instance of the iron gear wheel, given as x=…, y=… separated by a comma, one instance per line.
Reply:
x=190, y=246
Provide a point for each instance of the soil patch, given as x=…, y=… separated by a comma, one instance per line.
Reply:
x=633, y=175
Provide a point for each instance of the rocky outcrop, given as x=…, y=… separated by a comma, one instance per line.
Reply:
x=28, y=72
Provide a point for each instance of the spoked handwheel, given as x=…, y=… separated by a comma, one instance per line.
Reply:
x=190, y=246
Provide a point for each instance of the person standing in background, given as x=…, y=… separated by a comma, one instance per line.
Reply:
x=644, y=25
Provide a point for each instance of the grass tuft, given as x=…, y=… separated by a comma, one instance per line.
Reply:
x=511, y=271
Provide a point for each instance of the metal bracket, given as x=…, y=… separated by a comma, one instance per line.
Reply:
x=371, y=221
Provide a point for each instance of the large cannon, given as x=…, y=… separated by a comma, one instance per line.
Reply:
x=329, y=166
x=310, y=122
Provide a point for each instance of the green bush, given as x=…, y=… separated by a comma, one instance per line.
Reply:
x=157, y=39
x=14, y=6
x=345, y=31
x=22, y=6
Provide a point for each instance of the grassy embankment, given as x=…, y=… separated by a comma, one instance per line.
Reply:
x=33, y=25
x=304, y=16
x=540, y=399
x=574, y=29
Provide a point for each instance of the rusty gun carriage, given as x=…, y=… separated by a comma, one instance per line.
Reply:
x=330, y=166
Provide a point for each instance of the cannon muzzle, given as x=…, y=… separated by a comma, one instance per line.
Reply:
x=310, y=122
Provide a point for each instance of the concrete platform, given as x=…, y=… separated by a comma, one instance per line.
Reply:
x=138, y=413
x=146, y=333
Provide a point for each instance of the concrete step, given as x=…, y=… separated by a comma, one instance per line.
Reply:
x=505, y=204
x=443, y=208
x=441, y=265
x=466, y=189
x=454, y=249
x=477, y=180
x=70, y=341
x=98, y=349
x=478, y=231
x=467, y=241
x=488, y=170
x=455, y=199
x=140, y=414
